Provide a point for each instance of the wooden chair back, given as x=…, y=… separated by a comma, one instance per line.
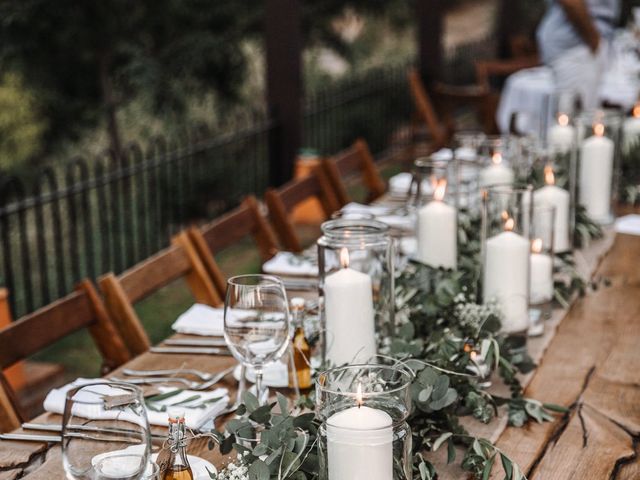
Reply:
x=356, y=159
x=227, y=230
x=425, y=111
x=32, y=333
x=180, y=260
x=283, y=200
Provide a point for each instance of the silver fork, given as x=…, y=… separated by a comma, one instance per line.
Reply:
x=204, y=376
x=189, y=384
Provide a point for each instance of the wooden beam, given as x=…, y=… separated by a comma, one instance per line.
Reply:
x=429, y=15
x=283, y=39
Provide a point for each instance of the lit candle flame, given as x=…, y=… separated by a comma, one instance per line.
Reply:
x=359, y=400
x=496, y=158
x=598, y=129
x=636, y=110
x=549, y=177
x=440, y=190
x=563, y=119
x=536, y=245
x=344, y=257
x=509, y=224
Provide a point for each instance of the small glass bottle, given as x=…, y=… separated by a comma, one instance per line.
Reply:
x=178, y=467
x=301, y=348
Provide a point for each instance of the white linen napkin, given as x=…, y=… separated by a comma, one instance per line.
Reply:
x=375, y=210
x=194, y=417
x=288, y=263
x=399, y=184
x=629, y=224
x=203, y=320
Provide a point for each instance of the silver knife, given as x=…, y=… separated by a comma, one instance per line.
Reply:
x=53, y=427
x=196, y=342
x=192, y=350
x=25, y=437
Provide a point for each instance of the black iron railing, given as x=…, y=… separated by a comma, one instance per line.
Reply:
x=100, y=215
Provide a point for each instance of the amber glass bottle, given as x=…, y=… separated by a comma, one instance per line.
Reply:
x=301, y=349
x=178, y=467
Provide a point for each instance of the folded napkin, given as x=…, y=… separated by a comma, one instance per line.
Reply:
x=195, y=414
x=442, y=155
x=466, y=154
x=375, y=210
x=202, y=320
x=288, y=263
x=629, y=224
x=401, y=222
x=399, y=184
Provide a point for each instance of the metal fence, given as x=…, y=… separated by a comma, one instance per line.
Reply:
x=100, y=215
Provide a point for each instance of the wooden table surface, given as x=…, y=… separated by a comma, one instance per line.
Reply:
x=591, y=365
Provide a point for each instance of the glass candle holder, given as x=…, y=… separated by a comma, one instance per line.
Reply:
x=598, y=134
x=496, y=158
x=541, y=267
x=356, y=264
x=436, y=218
x=506, y=222
x=364, y=432
x=553, y=186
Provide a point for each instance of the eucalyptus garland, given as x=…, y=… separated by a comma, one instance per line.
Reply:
x=443, y=331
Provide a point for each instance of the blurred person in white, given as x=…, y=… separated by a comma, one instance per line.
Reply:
x=573, y=38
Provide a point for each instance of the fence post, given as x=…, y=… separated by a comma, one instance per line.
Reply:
x=284, y=86
x=429, y=15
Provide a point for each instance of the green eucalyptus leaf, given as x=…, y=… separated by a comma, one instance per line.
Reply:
x=450, y=396
x=250, y=401
x=507, y=465
x=451, y=451
x=259, y=470
x=486, y=471
x=440, y=440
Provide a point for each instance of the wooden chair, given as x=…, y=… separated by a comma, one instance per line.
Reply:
x=283, y=200
x=425, y=112
x=30, y=334
x=355, y=159
x=227, y=230
x=180, y=260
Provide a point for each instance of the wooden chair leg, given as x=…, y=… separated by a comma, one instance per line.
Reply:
x=123, y=315
x=264, y=234
x=280, y=219
x=10, y=417
x=206, y=257
x=198, y=279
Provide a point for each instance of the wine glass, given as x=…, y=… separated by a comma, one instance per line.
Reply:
x=105, y=432
x=256, y=321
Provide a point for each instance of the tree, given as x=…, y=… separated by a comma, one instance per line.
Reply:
x=87, y=58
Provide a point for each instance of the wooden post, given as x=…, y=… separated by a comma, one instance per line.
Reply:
x=284, y=85
x=429, y=15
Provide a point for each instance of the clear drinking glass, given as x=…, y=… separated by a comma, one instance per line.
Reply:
x=105, y=421
x=256, y=321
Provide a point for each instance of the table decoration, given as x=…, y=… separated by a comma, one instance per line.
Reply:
x=436, y=227
x=599, y=137
x=356, y=262
x=505, y=260
x=364, y=434
x=559, y=199
x=495, y=171
x=561, y=136
x=631, y=129
x=541, y=287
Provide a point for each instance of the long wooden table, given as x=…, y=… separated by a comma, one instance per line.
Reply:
x=591, y=365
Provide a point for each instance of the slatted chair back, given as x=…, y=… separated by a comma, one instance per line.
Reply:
x=180, y=260
x=10, y=417
x=425, y=111
x=355, y=159
x=227, y=230
x=32, y=333
x=283, y=200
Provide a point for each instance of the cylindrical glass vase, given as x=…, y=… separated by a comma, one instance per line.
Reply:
x=541, y=289
x=598, y=140
x=364, y=432
x=506, y=228
x=356, y=264
x=437, y=218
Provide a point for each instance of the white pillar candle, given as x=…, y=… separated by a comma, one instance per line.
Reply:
x=360, y=444
x=560, y=136
x=631, y=129
x=540, y=275
x=497, y=173
x=437, y=231
x=506, y=277
x=596, y=171
x=350, y=323
x=559, y=198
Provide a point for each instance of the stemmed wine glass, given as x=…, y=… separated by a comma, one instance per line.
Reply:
x=256, y=322
x=105, y=432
